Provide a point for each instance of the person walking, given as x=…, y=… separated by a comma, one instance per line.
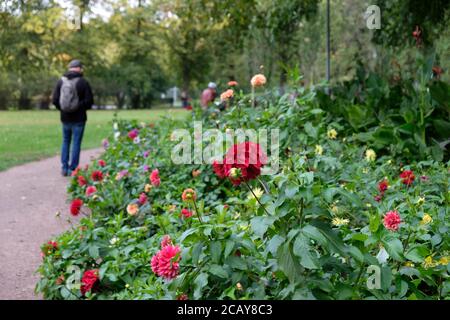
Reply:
x=208, y=95
x=72, y=97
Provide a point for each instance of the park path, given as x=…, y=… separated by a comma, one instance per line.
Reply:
x=30, y=196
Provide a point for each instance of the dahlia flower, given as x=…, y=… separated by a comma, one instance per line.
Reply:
x=97, y=175
x=186, y=213
x=75, y=206
x=227, y=95
x=242, y=162
x=165, y=263
x=258, y=80
x=89, y=279
x=407, y=177
x=132, y=209
x=81, y=181
x=90, y=190
x=188, y=195
x=392, y=220
x=154, y=178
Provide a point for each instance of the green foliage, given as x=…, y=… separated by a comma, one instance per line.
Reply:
x=319, y=231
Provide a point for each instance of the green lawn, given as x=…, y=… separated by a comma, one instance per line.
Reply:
x=32, y=135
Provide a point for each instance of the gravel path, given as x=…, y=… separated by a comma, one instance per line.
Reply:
x=30, y=196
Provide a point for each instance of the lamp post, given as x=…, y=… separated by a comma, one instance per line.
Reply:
x=328, y=45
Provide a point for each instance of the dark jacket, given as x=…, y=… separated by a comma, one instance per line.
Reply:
x=84, y=95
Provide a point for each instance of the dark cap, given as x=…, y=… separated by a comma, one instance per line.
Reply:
x=75, y=64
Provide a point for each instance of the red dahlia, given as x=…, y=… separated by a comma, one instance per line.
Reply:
x=218, y=169
x=101, y=163
x=97, y=175
x=82, y=181
x=407, y=177
x=89, y=279
x=243, y=162
x=186, y=213
x=75, y=206
x=383, y=186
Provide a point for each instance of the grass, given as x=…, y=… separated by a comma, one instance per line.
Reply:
x=33, y=135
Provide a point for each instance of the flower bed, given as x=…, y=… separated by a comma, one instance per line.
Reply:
x=336, y=221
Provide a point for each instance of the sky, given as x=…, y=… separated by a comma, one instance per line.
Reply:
x=99, y=9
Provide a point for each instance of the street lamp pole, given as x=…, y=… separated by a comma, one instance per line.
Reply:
x=328, y=43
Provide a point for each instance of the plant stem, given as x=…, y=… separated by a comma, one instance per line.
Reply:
x=266, y=190
x=301, y=212
x=359, y=274
x=197, y=211
x=253, y=96
x=254, y=195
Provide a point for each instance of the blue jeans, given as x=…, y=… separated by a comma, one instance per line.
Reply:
x=72, y=132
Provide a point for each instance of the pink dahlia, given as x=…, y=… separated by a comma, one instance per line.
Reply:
x=166, y=240
x=142, y=199
x=168, y=266
x=90, y=190
x=392, y=220
x=133, y=134
x=154, y=178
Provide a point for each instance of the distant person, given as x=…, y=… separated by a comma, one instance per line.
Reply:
x=72, y=96
x=208, y=95
x=185, y=100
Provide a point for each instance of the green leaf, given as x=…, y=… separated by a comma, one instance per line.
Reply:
x=200, y=282
x=218, y=271
x=417, y=254
x=93, y=252
x=395, y=248
x=274, y=243
x=360, y=237
x=374, y=222
x=229, y=246
x=303, y=250
x=386, y=277
x=311, y=130
x=333, y=243
x=287, y=263
x=236, y=262
x=196, y=251
x=186, y=234
x=291, y=190
x=356, y=254
x=215, y=249
x=314, y=234
x=261, y=224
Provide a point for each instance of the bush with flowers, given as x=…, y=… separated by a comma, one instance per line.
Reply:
x=334, y=211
